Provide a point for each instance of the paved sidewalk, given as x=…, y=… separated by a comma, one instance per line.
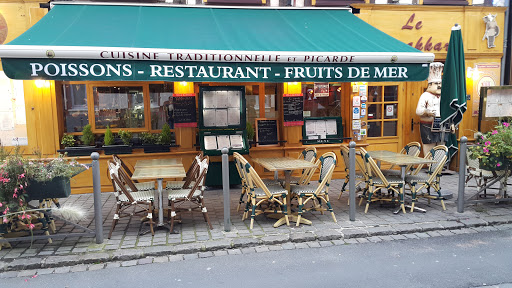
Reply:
x=127, y=248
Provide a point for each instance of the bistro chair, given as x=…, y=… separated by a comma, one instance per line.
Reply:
x=421, y=180
x=306, y=193
x=262, y=198
x=189, y=199
x=411, y=149
x=189, y=178
x=361, y=175
x=133, y=186
x=142, y=201
x=239, y=160
x=308, y=154
x=377, y=181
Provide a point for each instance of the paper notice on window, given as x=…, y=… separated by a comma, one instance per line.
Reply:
x=330, y=127
x=320, y=128
x=237, y=142
x=209, y=99
x=234, y=116
x=234, y=99
x=221, y=117
x=210, y=142
x=222, y=99
x=313, y=137
x=310, y=128
x=223, y=141
x=209, y=118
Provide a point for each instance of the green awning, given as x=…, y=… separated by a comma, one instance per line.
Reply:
x=99, y=41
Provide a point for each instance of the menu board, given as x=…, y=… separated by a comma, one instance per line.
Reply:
x=293, y=107
x=185, y=110
x=267, y=132
x=217, y=142
x=221, y=108
x=322, y=130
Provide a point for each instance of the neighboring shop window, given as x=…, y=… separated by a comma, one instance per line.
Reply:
x=382, y=111
x=161, y=105
x=119, y=107
x=74, y=97
x=13, y=119
x=322, y=99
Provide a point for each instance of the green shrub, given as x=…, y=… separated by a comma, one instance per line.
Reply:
x=250, y=131
x=87, y=136
x=148, y=138
x=165, y=135
x=68, y=140
x=126, y=136
x=109, y=137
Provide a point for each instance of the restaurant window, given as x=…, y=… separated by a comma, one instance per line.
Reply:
x=74, y=98
x=161, y=105
x=118, y=107
x=322, y=99
x=271, y=100
x=382, y=111
x=252, y=94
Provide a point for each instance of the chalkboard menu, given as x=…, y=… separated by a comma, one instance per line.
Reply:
x=184, y=110
x=267, y=132
x=293, y=106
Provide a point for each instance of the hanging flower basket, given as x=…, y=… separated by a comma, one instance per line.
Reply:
x=58, y=187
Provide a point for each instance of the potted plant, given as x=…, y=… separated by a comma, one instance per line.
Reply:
x=87, y=139
x=22, y=180
x=250, y=132
x=494, y=149
x=110, y=146
x=152, y=143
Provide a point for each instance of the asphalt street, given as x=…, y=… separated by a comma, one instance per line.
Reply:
x=468, y=260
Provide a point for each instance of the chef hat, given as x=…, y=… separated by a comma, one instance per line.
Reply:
x=436, y=72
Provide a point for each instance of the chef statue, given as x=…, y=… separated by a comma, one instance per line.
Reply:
x=429, y=107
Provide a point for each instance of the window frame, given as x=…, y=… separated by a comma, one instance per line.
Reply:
x=90, y=104
x=382, y=104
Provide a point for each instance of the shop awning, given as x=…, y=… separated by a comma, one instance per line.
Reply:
x=100, y=41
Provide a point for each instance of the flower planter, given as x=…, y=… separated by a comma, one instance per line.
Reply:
x=117, y=149
x=491, y=164
x=153, y=148
x=79, y=151
x=58, y=187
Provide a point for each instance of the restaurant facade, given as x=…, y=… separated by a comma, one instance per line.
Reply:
x=292, y=85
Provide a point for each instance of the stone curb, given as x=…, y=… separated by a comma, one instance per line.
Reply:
x=210, y=246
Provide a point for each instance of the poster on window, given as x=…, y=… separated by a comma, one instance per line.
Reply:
x=488, y=74
x=321, y=90
x=13, y=120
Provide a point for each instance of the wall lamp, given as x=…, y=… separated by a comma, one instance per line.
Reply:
x=473, y=73
x=42, y=83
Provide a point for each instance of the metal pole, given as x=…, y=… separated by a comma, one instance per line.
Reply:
x=96, y=184
x=462, y=173
x=352, y=180
x=225, y=189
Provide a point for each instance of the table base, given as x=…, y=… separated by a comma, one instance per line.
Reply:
x=291, y=218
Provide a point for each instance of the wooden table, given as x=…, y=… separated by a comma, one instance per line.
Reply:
x=158, y=170
x=287, y=165
x=402, y=160
x=170, y=162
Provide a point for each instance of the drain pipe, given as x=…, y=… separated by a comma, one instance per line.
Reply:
x=505, y=44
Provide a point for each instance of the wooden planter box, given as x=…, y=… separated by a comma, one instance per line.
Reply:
x=58, y=187
x=154, y=148
x=79, y=151
x=117, y=149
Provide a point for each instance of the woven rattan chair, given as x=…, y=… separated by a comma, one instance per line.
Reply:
x=308, y=154
x=273, y=197
x=239, y=160
x=361, y=175
x=133, y=186
x=141, y=202
x=420, y=180
x=190, y=199
x=306, y=193
x=377, y=182
x=411, y=149
x=189, y=178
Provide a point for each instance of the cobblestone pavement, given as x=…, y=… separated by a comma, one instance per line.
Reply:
x=195, y=240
